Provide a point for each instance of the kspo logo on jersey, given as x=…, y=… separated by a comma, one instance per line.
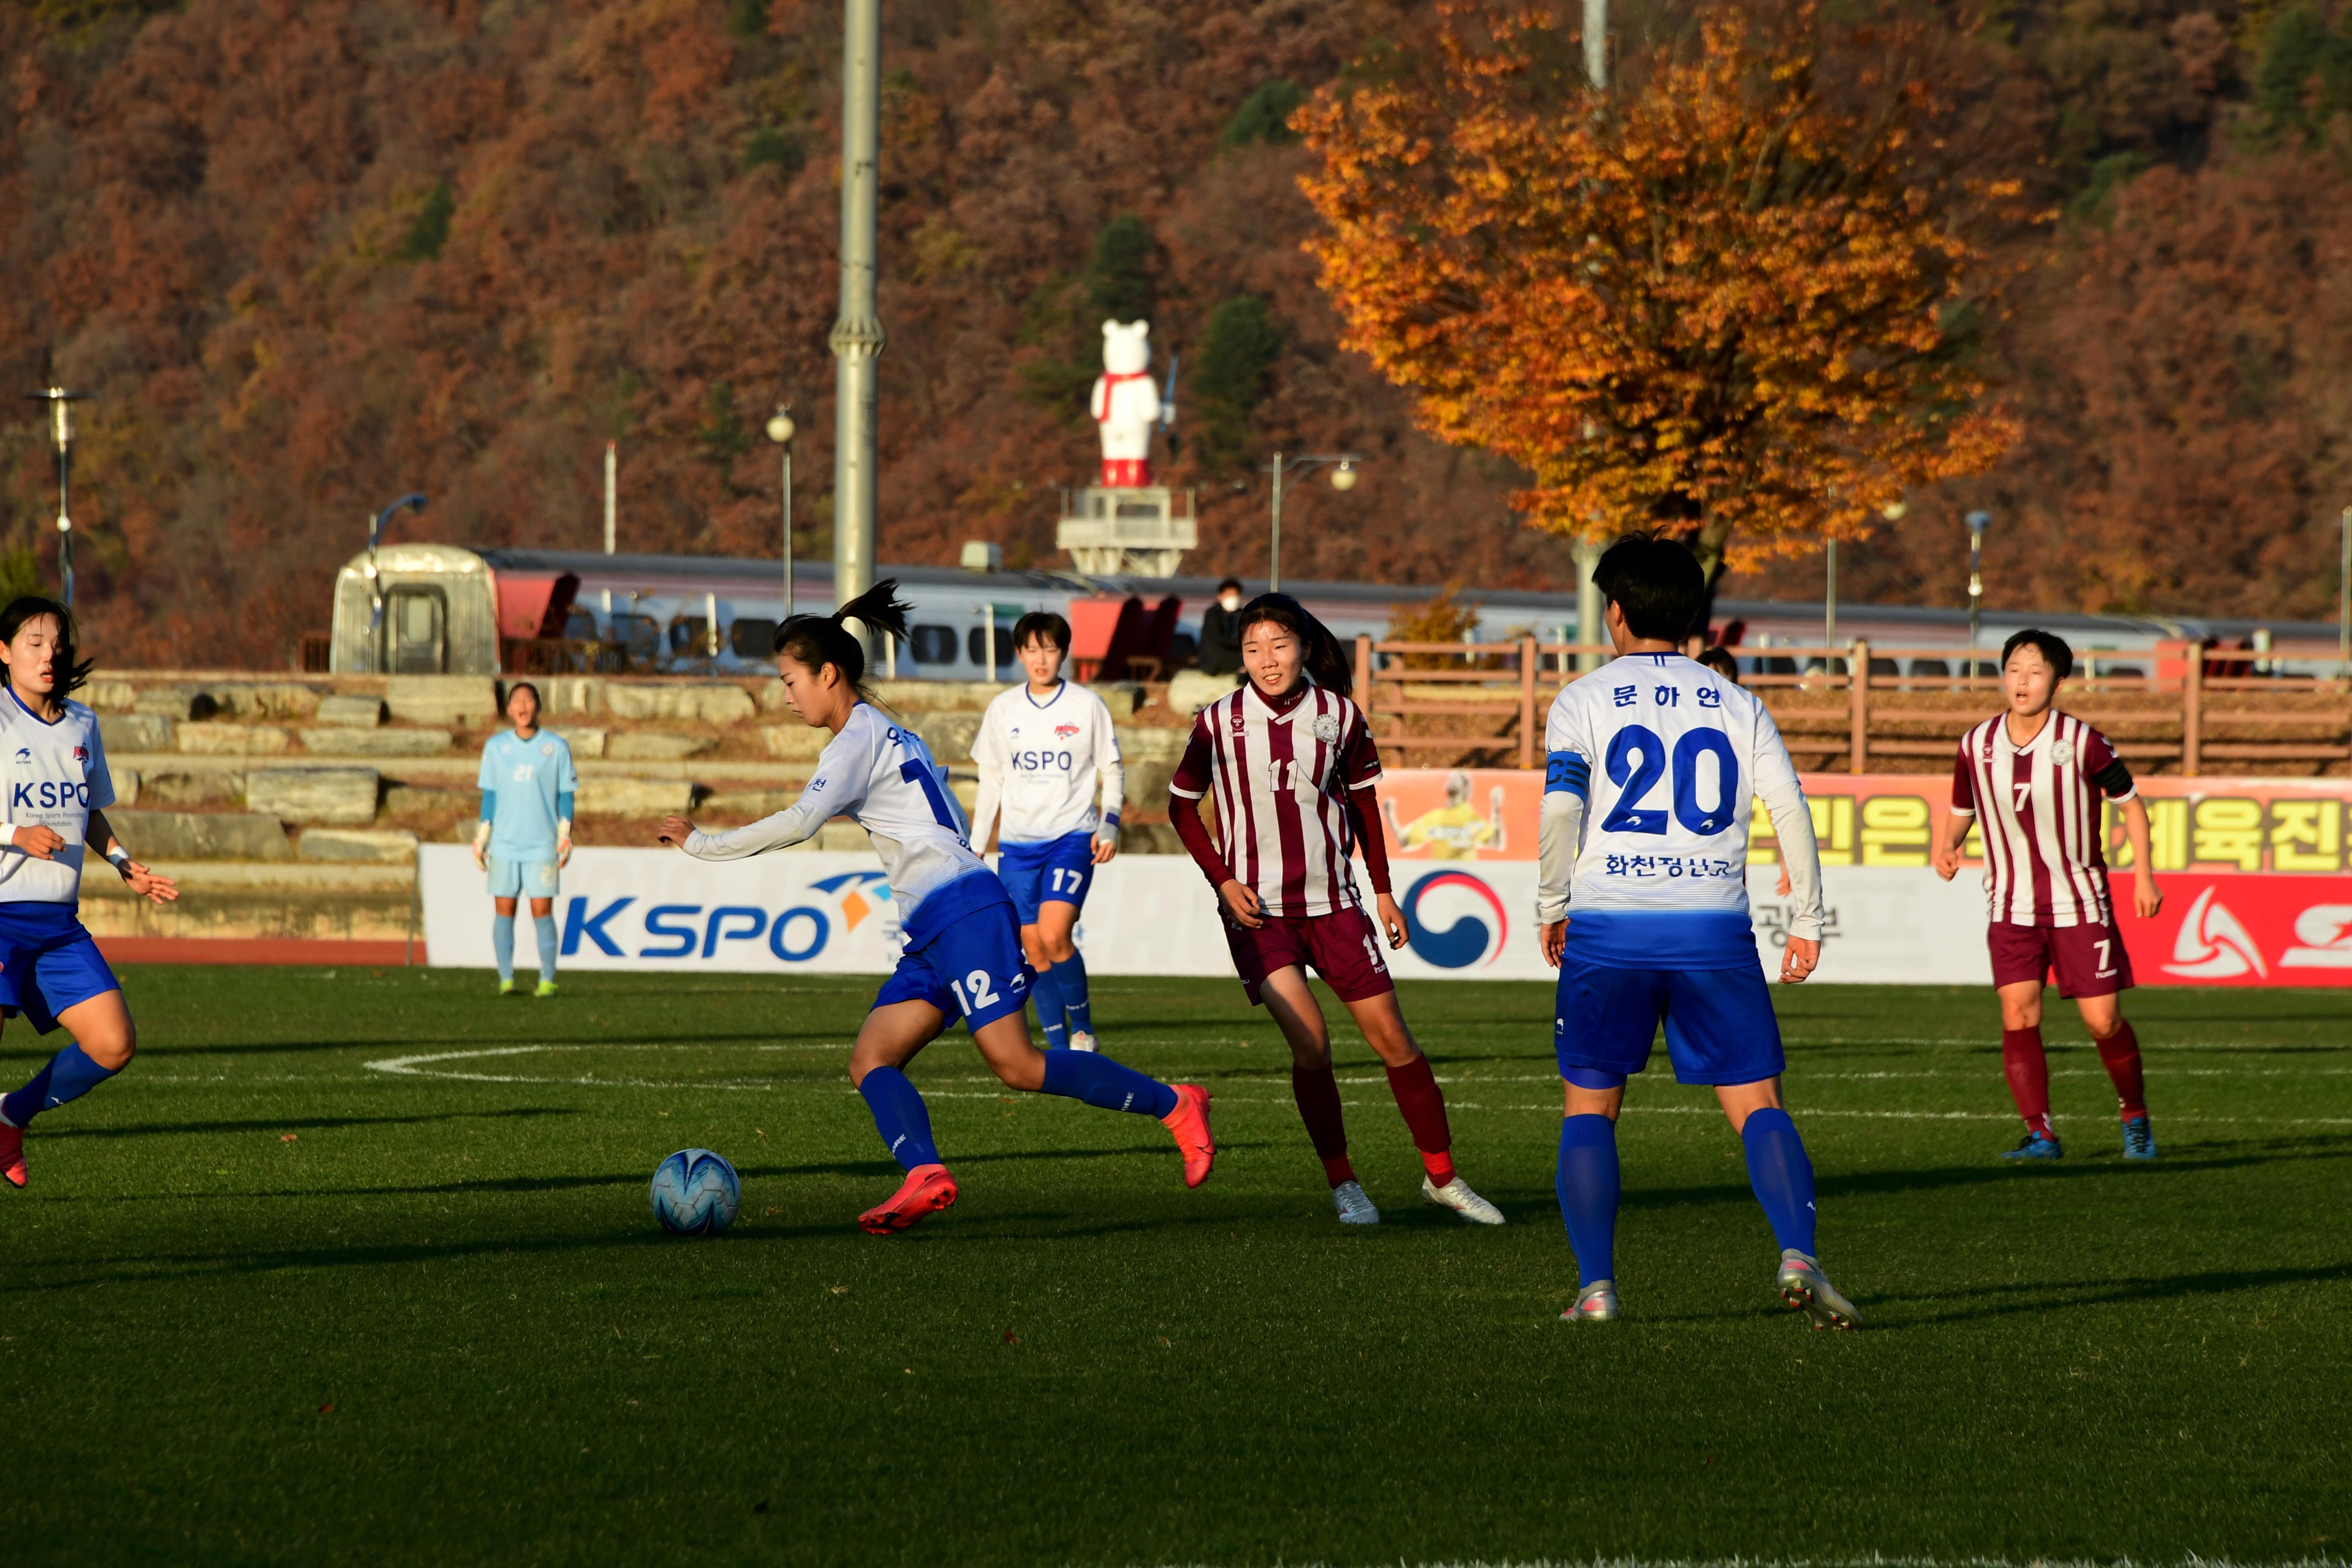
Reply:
x=1476, y=925
x=792, y=935
x=1038, y=761
x=53, y=794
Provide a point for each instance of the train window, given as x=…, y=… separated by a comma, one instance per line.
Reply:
x=579, y=626
x=416, y=628
x=975, y=644
x=752, y=636
x=638, y=634
x=934, y=645
x=689, y=637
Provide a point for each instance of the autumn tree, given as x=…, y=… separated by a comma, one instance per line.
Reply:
x=1719, y=299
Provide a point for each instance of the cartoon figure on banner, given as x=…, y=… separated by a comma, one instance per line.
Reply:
x=1125, y=405
x=1454, y=831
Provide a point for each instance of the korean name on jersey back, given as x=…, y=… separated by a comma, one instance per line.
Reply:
x=1669, y=760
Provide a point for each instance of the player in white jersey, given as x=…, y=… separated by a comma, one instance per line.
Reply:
x=1041, y=750
x=53, y=769
x=962, y=953
x=1653, y=763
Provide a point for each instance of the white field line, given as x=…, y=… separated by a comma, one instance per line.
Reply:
x=424, y=1065
x=1873, y=1561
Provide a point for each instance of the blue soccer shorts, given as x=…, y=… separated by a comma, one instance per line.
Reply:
x=48, y=962
x=1720, y=1027
x=1060, y=869
x=524, y=879
x=975, y=968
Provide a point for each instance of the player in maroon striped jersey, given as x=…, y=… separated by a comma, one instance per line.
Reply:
x=2034, y=778
x=1293, y=767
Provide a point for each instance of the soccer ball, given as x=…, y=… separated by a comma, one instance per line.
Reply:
x=695, y=1193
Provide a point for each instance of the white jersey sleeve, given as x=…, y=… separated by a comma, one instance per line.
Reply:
x=882, y=777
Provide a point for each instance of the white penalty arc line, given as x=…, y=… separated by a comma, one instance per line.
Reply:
x=417, y=1066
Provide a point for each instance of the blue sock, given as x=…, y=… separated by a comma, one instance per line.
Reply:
x=1588, y=1185
x=1782, y=1177
x=67, y=1076
x=1105, y=1084
x=1046, y=990
x=1070, y=974
x=900, y=1116
x=502, y=943
x=543, y=927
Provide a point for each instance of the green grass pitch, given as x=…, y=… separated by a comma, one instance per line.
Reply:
x=269, y=1300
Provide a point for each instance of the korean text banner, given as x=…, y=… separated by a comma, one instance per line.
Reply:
x=2290, y=826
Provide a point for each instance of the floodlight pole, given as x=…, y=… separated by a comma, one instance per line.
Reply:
x=1829, y=603
x=61, y=402
x=857, y=336
x=1978, y=522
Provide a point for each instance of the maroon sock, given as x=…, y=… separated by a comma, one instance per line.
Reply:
x=2028, y=1071
x=2119, y=1054
x=1423, y=1104
x=1317, y=1093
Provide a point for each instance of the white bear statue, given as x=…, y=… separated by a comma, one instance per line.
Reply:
x=1125, y=405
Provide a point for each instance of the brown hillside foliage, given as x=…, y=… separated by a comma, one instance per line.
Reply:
x=317, y=253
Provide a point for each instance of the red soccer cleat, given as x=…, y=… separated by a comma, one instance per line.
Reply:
x=1190, y=1123
x=12, y=1154
x=927, y=1190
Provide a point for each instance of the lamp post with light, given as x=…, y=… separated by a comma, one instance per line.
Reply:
x=61, y=404
x=1978, y=522
x=780, y=431
x=1289, y=471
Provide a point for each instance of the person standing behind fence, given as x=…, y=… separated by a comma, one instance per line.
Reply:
x=524, y=836
x=1221, y=638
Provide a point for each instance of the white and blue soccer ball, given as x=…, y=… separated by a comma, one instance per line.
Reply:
x=695, y=1193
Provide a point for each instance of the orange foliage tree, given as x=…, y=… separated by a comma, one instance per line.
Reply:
x=1716, y=300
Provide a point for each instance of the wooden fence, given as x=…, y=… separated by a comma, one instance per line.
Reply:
x=2179, y=710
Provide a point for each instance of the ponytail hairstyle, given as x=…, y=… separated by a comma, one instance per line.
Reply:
x=1326, y=662
x=32, y=606
x=816, y=641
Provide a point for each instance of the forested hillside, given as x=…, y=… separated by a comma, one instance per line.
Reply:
x=316, y=253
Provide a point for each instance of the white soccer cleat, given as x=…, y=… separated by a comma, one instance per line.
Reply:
x=1354, y=1207
x=1596, y=1303
x=1804, y=1286
x=1456, y=1196
x=1082, y=1041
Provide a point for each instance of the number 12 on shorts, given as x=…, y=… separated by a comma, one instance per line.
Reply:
x=974, y=991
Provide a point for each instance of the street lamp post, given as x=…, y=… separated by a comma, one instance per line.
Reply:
x=2344, y=602
x=857, y=336
x=1978, y=522
x=1288, y=471
x=780, y=431
x=61, y=404
x=375, y=578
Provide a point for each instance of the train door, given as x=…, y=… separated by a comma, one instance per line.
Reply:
x=415, y=631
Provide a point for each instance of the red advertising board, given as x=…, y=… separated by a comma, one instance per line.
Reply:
x=2240, y=929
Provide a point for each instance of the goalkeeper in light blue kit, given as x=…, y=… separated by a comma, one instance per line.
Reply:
x=1653, y=763
x=524, y=836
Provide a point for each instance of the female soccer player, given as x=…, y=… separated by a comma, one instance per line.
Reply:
x=2034, y=778
x=1653, y=768
x=1040, y=750
x=963, y=951
x=57, y=790
x=524, y=836
x=1295, y=768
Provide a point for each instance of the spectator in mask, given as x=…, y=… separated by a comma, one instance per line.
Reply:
x=1220, y=644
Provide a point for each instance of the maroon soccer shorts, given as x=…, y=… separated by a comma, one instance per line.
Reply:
x=1341, y=947
x=2089, y=960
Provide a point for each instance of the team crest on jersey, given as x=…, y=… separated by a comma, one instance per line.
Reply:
x=2061, y=753
x=547, y=748
x=81, y=754
x=1063, y=732
x=1326, y=727
x=1241, y=723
